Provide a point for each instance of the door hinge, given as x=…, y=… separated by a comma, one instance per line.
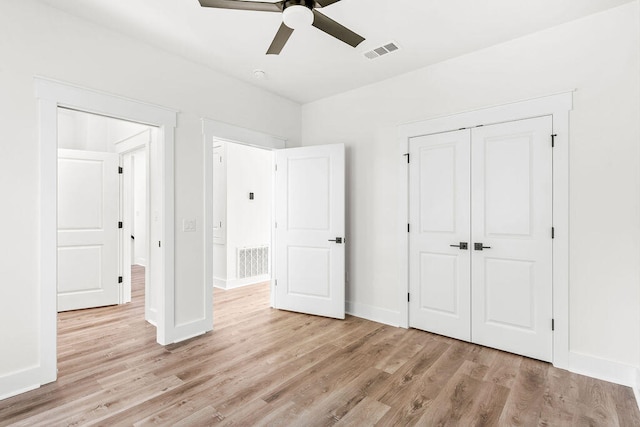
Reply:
x=408, y=297
x=276, y=168
x=119, y=169
x=276, y=282
x=553, y=324
x=408, y=156
x=119, y=279
x=276, y=225
x=119, y=224
x=408, y=228
x=553, y=140
x=553, y=232
x=159, y=244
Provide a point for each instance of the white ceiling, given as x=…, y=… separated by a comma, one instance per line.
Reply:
x=314, y=65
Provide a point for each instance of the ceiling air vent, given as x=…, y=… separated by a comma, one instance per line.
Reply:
x=382, y=50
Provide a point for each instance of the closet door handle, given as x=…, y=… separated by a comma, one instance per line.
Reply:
x=479, y=247
x=463, y=246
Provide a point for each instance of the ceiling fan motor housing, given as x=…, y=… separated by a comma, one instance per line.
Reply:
x=307, y=3
x=298, y=13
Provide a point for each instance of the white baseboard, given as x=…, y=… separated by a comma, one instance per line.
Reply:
x=194, y=328
x=140, y=261
x=237, y=283
x=375, y=314
x=603, y=369
x=152, y=316
x=18, y=382
x=219, y=283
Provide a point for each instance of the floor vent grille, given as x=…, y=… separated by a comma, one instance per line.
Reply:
x=382, y=50
x=253, y=261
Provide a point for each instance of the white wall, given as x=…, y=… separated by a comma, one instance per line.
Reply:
x=39, y=40
x=248, y=221
x=598, y=56
x=82, y=131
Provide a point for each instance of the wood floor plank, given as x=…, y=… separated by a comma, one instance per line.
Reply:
x=524, y=405
x=332, y=408
x=488, y=406
x=626, y=406
x=409, y=406
x=559, y=407
x=596, y=403
x=504, y=369
x=367, y=413
x=454, y=400
x=261, y=366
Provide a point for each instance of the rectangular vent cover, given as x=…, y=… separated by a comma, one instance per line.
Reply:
x=253, y=261
x=382, y=50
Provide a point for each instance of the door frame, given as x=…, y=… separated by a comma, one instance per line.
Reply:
x=216, y=130
x=557, y=106
x=50, y=95
x=125, y=149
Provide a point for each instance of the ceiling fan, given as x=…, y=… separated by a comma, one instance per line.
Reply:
x=295, y=14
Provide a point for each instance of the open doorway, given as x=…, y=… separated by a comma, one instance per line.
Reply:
x=242, y=208
x=242, y=193
x=104, y=195
x=225, y=146
x=308, y=224
x=50, y=96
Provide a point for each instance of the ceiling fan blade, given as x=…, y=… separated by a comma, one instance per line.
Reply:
x=243, y=5
x=281, y=38
x=331, y=27
x=325, y=3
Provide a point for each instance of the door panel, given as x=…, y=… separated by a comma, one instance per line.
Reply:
x=308, y=273
x=512, y=216
x=308, y=204
x=88, y=203
x=309, y=212
x=439, y=217
x=507, y=185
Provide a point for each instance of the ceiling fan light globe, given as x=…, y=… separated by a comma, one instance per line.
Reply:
x=298, y=16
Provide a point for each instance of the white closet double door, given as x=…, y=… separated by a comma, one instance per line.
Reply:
x=481, y=236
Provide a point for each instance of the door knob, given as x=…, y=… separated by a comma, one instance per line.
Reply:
x=463, y=245
x=337, y=240
x=479, y=247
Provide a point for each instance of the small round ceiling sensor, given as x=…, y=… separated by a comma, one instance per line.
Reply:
x=259, y=74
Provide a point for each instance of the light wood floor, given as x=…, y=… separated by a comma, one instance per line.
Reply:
x=267, y=367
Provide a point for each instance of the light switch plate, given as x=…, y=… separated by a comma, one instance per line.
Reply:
x=188, y=225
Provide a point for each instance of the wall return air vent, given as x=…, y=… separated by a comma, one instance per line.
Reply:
x=382, y=50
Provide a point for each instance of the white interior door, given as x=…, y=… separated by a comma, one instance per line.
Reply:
x=439, y=263
x=512, y=217
x=88, y=204
x=309, y=235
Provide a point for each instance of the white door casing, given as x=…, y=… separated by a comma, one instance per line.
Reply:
x=219, y=188
x=512, y=283
x=50, y=96
x=440, y=217
x=309, y=214
x=88, y=211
